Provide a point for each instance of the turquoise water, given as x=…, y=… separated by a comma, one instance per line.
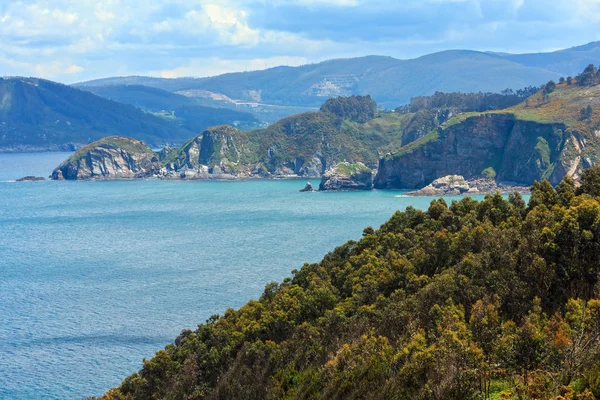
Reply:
x=95, y=276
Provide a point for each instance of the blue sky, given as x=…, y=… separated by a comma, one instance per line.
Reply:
x=74, y=40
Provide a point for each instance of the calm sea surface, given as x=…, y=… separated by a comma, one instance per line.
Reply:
x=95, y=276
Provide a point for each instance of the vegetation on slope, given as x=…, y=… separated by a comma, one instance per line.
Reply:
x=572, y=102
x=35, y=113
x=130, y=145
x=472, y=300
x=185, y=111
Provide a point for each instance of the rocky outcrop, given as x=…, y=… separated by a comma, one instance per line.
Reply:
x=31, y=178
x=520, y=152
x=113, y=157
x=307, y=188
x=452, y=185
x=216, y=153
x=346, y=176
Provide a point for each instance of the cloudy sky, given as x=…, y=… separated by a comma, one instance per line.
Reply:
x=74, y=40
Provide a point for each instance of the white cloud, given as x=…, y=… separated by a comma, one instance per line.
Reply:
x=73, y=39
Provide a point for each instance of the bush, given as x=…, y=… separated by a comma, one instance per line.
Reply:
x=489, y=173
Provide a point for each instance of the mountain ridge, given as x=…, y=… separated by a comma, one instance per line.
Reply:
x=390, y=81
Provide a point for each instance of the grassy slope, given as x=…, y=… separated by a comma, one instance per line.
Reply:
x=305, y=134
x=130, y=145
x=563, y=106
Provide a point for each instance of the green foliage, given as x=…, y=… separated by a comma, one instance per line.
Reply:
x=354, y=108
x=590, y=182
x=489, y=173
x=472, y=300
x=351, y=169
x=468, y=102
x=586, y=112
x=589, y=76
x=549, y=87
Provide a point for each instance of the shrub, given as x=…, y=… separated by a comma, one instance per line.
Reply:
x=489, y=173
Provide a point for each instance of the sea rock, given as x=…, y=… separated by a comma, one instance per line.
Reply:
x=30, y=178
x=307, y=188
x=346, y=176
x=113, y=157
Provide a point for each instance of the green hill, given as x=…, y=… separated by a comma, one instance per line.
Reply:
x=344, y=129
x=472, y=300
x=391, y=82
x=36, y=114
x=552, y=133
x=186, y=111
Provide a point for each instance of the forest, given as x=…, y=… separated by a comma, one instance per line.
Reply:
x=496, y=299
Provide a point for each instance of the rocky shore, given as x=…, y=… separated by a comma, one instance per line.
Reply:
x=457, y=185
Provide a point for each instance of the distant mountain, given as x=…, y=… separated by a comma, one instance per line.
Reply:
x=391, y=82
x=37, y=114
x=186, y=111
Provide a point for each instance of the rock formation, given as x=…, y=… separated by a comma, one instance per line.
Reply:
x=307, y=188
x=520, y=152
x=113, y=157
x=31, y=178
x=452, y=185
x=346, y=176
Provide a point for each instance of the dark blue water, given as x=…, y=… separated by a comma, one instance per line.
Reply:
x=95, y=276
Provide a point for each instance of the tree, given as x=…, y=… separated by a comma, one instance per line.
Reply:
x=561, y=80
x=590, y=182
x=542, y=193
x=566, y=190
x=489, y=173
x=550, y=87
x=586, y=112
x=569, y=80
x=588, y=77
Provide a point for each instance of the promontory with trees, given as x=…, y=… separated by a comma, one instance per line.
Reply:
x=496, y=299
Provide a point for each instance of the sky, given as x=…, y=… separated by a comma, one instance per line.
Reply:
x=76, y=40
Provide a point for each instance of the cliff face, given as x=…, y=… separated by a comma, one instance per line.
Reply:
x=219, y=152
x=519, y=151
x=346, y=176
x=109, y=158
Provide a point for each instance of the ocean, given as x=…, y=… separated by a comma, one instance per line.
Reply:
x=97, y=275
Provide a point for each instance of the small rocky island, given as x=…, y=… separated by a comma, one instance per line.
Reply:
x=31, y=178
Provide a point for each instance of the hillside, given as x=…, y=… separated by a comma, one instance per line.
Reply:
x=472, y=300
x=36, y=114
x=547, y=136
x=345, y=129
x=391, y=82
x=187, y=112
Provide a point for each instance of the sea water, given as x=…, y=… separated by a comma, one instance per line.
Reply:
x=97, y=275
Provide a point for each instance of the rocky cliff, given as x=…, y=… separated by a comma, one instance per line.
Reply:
x=519, y=151
x=346, y=176
x=218, y=152
x=304, y=145
x=113, y=157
